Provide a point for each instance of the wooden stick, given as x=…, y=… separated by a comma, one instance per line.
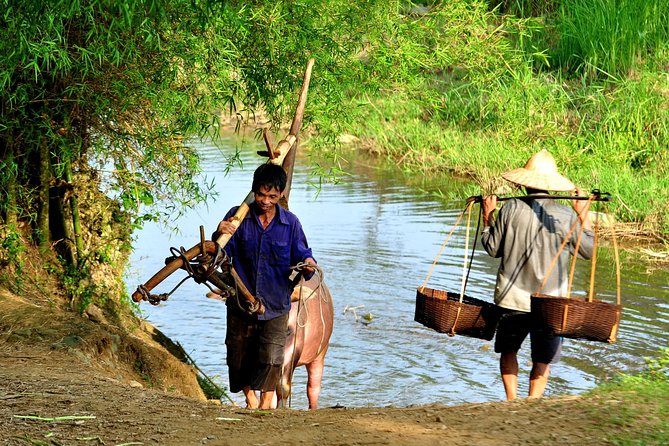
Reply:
x=302, y=101
x=289, y=167
x=168, y=269
x=269, y=142
x=243, y=209
x=597, y=196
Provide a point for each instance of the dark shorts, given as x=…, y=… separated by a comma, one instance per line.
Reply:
x=513, y=328
x=254, y=351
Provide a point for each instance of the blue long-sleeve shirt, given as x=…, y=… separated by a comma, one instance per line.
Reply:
x=262, y=257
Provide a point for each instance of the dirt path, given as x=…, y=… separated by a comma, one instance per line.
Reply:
x=67, y=381
x=50, y=384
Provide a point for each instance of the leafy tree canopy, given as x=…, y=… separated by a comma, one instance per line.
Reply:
x=120, y=86
x=107, y=92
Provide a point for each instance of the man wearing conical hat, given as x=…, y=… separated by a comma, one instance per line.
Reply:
x=526, y=236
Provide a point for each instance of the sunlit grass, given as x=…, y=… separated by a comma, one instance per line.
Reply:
x=607, y=131
x=642, y=417
x=609, y=36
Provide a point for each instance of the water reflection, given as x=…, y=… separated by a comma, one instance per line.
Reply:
x=376, y=239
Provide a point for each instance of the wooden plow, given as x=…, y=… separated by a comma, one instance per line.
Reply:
x=203, y=261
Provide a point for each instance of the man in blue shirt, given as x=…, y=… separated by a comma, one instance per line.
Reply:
x=267, y=243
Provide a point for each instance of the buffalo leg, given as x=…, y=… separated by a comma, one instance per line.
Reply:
x=315, y=377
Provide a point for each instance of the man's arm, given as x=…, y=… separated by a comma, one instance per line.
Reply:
x=226, y=227
x=301, y=250
x=582, y=207
x=309, y=269
x=490, y=239
x=489, y=204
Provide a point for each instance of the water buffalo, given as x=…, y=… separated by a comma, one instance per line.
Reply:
x=310, y=326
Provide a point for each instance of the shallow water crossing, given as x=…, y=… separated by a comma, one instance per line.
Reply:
x=376, y=238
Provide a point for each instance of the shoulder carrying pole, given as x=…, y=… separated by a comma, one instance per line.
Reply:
x=595, y=195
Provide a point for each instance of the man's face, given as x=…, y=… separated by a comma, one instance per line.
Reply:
x=266, y=198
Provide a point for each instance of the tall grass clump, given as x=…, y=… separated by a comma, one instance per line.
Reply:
x=609, y=37
x=621, y=143
x=524, y=8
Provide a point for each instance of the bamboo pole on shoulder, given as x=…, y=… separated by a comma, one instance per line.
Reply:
x=277, y=156
x=282, y=155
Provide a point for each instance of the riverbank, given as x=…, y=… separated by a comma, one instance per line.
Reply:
x=52, y=397
x=82, y=380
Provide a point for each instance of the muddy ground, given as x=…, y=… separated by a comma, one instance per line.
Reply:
x=69, y=381
x=52, y=386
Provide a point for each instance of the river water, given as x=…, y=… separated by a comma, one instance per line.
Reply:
x=375, y=238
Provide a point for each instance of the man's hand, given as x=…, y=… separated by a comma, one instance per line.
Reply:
x=309, y=269
x=488, y=206
x=582, y=207
x=226, y=227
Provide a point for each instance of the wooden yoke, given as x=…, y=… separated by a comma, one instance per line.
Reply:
x=276, y=156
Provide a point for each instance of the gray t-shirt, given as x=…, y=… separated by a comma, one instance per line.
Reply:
x=527, y=235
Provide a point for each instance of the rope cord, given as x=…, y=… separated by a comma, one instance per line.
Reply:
x=471, y=259
x=564, y=243
x=573, y=261
x=464, y=260
x=617, y=258
x=593, y=260
x=466, y=267
x=200, y=269
x=457, y=222
x=292, y=357
x=319, y=274
x=591, y=291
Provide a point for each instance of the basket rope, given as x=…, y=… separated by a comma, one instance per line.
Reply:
x=573, y=262
x=565, y=309
x=617, y=259
x=466, y=267
x=448, y=237
x=560, y=249
x=591, y=290
x=614, y=328
x=464, y=259
x=465, y=271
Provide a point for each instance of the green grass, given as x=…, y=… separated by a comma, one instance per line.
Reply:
x=594, y=95
x=642, y=417
x=609, y=36
x=608, y=132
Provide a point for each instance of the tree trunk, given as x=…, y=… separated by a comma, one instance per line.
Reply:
x=59, y=227
x=11, y=216
x=42, y=222
x=74, y=207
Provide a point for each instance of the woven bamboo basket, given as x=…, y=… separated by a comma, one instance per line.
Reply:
x=444, y=312
x=578, y=318
x=456, y=313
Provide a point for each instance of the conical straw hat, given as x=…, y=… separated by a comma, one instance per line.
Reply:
x=540, y=173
